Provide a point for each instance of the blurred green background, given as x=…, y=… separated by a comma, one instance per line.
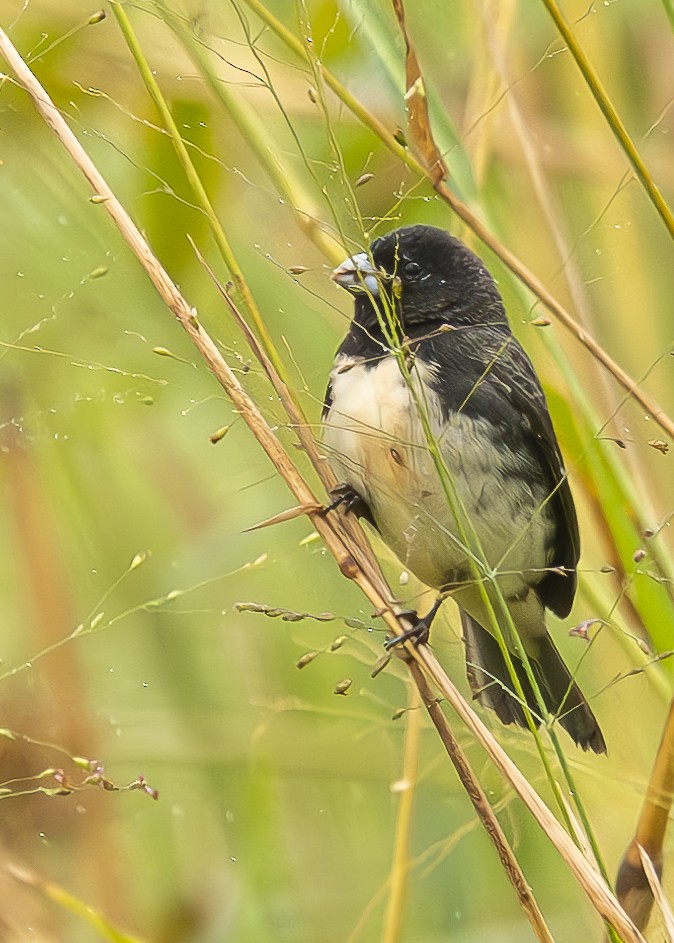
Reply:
x=277, y=798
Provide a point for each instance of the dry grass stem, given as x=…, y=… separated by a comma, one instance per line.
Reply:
x=482, y=807
x=634, y=886
x=586, y=872
x=400, y=867
x=416, y=106
x=658, y=894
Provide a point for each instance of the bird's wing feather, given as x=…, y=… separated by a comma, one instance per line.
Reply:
x=484, y=372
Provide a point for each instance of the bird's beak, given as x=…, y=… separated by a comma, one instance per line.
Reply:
x=356, y=274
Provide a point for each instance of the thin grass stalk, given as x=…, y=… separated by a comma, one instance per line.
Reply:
x=194, y=179
x=218, y=232
x=545, y=200
x=613, y=119
x=636, y=499
x=255, y=133
x=577, y=862
x=658, y=894
x=482, y=806
x=355, y=107
x=349, y=195
x=599, y=602
x=629, y=496
x=486, y=85
x=497, y=43
x=634, y=885
x=372, y=25
x=491, y=593
x=475, y=224
x=252, y=45
x=69, y=902
x=586, y=873
x=400, y=866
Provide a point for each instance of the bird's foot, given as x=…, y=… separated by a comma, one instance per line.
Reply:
x=347, y=497
x=420, y=629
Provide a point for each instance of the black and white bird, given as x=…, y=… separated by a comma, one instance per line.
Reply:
x=463, y=383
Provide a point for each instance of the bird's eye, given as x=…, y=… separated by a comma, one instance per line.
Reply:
x=411, y=269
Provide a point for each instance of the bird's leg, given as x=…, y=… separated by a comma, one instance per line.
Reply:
x=421, y=628
x=346, y=496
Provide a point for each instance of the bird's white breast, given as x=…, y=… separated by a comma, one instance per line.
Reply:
x=376, y=443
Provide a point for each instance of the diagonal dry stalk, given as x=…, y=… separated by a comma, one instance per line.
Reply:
x=416, y=106
x=658, y=894
x=69, y=902
x=337, y=540
x=481, y=804
x=634, y=886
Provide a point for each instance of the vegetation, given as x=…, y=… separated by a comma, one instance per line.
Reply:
x=151, y=632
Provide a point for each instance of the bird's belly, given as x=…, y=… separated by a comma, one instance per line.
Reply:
x=376, y=443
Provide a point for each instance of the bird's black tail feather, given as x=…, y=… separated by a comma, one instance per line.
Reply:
x=491, y=683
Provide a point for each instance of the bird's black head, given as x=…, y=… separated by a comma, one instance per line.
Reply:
x=424, y=274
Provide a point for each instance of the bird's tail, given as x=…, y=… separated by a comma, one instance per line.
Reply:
x=491, y=683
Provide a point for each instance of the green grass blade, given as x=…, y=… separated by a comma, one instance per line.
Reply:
x=613, y=119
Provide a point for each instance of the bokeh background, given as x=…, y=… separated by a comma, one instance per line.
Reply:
x=123, y=541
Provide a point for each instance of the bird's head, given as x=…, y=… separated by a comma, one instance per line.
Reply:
x=422, y=274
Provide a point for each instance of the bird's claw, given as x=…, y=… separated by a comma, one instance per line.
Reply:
x=420, y=629
x=346, y=496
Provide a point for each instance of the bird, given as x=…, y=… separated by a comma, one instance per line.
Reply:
x=438, y=430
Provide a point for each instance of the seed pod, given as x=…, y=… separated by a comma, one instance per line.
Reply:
x=363, y=179
x=306, y=659
x=219, y=434
x=380, y=664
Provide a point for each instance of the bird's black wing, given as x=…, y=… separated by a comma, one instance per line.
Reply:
x=327, y=402
x=484, y=372
x=558, y=588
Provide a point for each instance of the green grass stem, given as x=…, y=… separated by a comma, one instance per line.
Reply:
x=612, y=117
x=195, y=182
